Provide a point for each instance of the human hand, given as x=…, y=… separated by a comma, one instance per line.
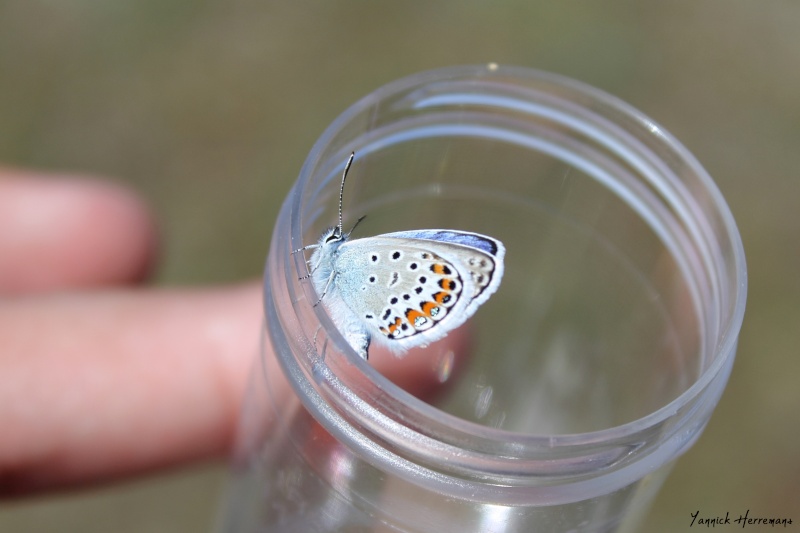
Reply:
x=102, y=377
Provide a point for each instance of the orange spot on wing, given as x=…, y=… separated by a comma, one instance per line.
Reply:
x=447, y=284
x=427, y=307
x=412, y=315
x=441, y=269
x=393, y=327
x=442, y=297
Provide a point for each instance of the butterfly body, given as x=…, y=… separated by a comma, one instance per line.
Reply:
x=403, y=289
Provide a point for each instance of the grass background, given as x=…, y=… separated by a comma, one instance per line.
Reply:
x=208, y=108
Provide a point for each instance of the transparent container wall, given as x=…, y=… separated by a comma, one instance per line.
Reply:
x=593, y=325
x=616, y=318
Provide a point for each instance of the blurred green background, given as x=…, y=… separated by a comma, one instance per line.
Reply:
x=209, y=108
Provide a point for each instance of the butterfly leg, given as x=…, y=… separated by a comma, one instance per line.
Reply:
x=327, y=285
x=319, y=328
x=304, y=248
x=310, y=268
x=324, y=348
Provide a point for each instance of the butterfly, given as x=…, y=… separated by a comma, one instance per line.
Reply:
x=403, y=289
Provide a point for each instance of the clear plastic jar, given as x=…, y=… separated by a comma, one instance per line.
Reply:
x=595, y=365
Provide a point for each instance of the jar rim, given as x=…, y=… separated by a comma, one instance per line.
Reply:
x=549, y=457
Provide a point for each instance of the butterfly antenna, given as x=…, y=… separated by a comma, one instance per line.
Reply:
x=341, y=191
x=356, y=224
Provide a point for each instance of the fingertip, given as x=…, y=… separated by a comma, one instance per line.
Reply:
x=121, y=382
x=70, y=232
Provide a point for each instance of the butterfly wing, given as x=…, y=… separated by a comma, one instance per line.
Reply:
x=411, y=288
x=480, y=256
